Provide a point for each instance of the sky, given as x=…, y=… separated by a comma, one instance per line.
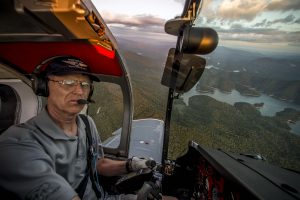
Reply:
x=270, y=25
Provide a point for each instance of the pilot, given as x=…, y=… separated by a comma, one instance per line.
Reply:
x=47, y=157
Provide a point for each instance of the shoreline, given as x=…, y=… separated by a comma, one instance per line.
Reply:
x=211, y=90
x=267, y=109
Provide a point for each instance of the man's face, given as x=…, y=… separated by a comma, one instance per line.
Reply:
x=64, y=91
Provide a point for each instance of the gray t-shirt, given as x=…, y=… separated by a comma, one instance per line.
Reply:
x=39, y=161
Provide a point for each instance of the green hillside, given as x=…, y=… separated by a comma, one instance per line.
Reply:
x=250, y=84
x=239, y=128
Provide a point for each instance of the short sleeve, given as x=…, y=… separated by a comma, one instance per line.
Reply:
x=32, y=175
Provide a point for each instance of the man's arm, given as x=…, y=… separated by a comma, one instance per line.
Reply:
x=76, y=198
x=108, y=167
x=28, y=173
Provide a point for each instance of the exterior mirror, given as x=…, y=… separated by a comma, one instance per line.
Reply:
x=185, y=73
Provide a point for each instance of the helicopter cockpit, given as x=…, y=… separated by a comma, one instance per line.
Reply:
x=34, y=32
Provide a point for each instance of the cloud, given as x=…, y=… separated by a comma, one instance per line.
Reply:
x=293, y=37
x=240, y=29
x=142, y=35
x=237, y=26
x=180, y=1
x=261, y=24
x=283, y=5
x=297, y=21
x=238, y=32
x=232, y=10
x=293, y=44
x=227, y=17
x=136, y=21
x=240, y=9
x=290, y=19
x=287, y=19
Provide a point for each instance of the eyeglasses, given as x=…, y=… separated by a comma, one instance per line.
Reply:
x=71, y=84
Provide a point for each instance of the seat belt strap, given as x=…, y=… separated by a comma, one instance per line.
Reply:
x=82, y=186
x=91, y=159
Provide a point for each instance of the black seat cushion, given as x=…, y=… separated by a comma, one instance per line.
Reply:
x=9, y=105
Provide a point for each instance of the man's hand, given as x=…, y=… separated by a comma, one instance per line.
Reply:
x=149, y=191
x=135, y=163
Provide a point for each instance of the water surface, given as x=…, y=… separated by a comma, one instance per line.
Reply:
x=270, y=107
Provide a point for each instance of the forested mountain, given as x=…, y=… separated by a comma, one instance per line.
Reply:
x=252, y=73
x=265, y=66
x=238, y=128
x=248, y=72
x=250, y=84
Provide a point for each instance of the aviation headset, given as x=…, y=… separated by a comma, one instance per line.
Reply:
x=39, y=79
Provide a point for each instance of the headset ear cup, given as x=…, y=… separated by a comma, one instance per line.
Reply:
x=40, y=86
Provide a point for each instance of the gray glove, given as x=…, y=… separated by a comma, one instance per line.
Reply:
x=135, y=164
x=149, y=191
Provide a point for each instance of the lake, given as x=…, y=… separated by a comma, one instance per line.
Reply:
x=270, y=107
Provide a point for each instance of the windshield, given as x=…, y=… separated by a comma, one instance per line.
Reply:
x=248, y=99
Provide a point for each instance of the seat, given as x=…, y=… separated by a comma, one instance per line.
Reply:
x=8, y=107
x=5, y=194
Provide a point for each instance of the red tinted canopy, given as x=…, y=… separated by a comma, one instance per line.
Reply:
x=26, y=56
